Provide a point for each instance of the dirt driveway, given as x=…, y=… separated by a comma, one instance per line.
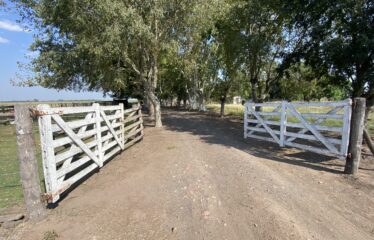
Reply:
x=198, y=179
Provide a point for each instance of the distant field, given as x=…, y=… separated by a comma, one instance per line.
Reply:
x=48, y=102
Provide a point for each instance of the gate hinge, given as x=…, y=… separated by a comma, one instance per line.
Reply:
x=38, y=113
x=45, y=197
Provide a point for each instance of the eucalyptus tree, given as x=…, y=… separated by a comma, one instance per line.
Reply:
x=201, y=70
x=229, y=62
x=173, y=84
x=198, y=51
x=95, y=45
x=335, y=38
x=254, y=28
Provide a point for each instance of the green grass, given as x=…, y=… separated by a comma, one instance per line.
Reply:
x=230, y=109
x=10, y=185
x=238, y=110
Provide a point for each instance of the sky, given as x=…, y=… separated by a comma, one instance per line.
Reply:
x=14, y=44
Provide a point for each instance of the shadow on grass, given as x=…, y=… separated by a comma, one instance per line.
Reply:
x=229, y=133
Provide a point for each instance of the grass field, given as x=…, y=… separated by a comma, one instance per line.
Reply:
x=10, y=186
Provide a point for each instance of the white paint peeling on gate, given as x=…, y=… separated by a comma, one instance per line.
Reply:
x=309, y=127
x=77, y=140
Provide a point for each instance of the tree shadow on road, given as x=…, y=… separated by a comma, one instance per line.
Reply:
x=229, y=133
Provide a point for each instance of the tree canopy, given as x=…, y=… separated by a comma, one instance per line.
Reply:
x=194, y=51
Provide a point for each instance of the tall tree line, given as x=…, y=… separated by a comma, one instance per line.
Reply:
x=197, y=50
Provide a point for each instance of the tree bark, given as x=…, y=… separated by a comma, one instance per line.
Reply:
x=154, y=99
x=254, y=91
x=202, y=104
x=157, y=106
x=223, y=100
x=151, y=108
x=192, y=98
x=368, y=141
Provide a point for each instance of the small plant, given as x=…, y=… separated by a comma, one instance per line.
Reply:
x=50, y=235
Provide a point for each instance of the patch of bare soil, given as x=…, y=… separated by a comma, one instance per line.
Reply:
x=196, y=178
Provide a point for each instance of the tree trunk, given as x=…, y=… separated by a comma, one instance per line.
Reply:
x=368, y=141
x=223, y=100
x=151, y=108
x=202, y=104
x=369, y=105
x=157, y=108
x=193, y=102
x=254, y=91
x=201, y=101
x=255, y=98
x=178, y=102
x=155, y=100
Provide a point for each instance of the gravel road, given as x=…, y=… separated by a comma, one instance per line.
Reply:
x=197, y=178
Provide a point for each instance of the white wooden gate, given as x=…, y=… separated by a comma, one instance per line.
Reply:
x=77, y=140
x=321, y=127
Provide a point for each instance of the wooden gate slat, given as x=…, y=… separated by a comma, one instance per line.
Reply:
x=303, y=125
x=73, y=132
x=75, y=138
x=80, y=131
x=319, y=121
x=312, y=129
x=111, y=129
x=274, y=110
x=270, y=131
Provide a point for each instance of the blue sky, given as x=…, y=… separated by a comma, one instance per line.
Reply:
x=14, y=43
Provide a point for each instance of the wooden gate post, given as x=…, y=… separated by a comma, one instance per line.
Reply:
x=355, y=139
x=245, y=119
x=28, y=164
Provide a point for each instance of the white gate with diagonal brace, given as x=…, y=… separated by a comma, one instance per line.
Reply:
x=77, y=140
x=321, y=127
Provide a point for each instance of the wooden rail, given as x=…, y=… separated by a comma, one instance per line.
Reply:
x=306, y=130
x=77, y=140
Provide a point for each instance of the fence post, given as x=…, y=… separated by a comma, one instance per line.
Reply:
x=141, y=118
x=28, y=164
x=355, y=140
x=346, y=127
x=245, y=119
x=283, y=124
x=100, y=154
x=122, y=124
x=48, y=154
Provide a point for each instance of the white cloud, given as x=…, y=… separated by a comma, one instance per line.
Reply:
x=11, y=26
x=3, y=40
